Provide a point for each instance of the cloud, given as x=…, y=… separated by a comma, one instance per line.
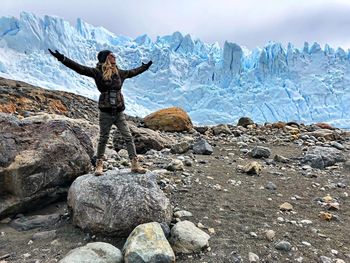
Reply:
x=251, y=22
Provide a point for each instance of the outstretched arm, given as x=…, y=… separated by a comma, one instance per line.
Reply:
x=136, y=71
x=82, y=70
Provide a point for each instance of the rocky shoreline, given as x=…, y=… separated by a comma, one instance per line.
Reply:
x=255, y=193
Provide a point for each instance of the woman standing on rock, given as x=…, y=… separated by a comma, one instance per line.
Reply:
x=109, y=80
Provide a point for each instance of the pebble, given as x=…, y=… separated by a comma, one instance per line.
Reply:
x=270, y=235
x=324, y=259
x=280, y=219
x=283, y=245
x=271, y=186
x=306, y=243
x=286, y=207
x=182, y=213
x=253, y=234
x=253, y=258
x=306, y=222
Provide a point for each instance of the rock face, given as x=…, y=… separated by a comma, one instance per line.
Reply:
x=171, y=119
x=147, y=243
x=321, y=157
x=39, y=157
x=98, y=252
x=144, y=139
x=117, y=202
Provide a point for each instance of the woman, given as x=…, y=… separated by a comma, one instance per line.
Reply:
x=109, y=80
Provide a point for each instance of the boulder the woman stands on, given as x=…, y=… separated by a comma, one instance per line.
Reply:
x=109, y=80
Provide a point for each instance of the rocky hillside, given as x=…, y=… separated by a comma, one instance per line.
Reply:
x=24, y=100
x=254, y=193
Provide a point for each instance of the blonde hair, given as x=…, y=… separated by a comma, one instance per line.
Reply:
x=108, y=70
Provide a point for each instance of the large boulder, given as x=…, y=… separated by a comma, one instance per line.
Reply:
x=171, y=119
x=39, y=157
x=145, y=139
x=115, y=203
x=147, y=243
x=321, y=157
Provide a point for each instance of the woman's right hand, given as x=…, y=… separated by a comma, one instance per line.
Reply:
x=56, y=54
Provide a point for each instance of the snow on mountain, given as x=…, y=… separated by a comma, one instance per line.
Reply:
x=213, y=84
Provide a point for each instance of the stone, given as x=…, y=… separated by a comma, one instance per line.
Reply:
x=283, y=246
x=270, y=235
x=39, y=157
x=137, y=199
x=202, y=147
x=245, y=122
x=182, y=213
x=145, y=139
x=321, y=157
x=280, y=159
x=252, y=168
x=181, y=147
x=97, y=252
x=286, y=207
x=185, y=237
x=253, y=258
x=37, y=221
x=261, y=152
x=221, y=129
x=337, y=145
x=324, y=125
x=271, y=186
x=175, y=165
x=147, y=243
x=171, y=119
x=324, y=259
x=45, y=235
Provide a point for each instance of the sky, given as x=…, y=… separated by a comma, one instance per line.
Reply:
x=249, y=23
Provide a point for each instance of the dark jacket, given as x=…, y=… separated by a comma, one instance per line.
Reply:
x=111, y=98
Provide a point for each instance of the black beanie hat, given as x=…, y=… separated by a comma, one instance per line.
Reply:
x=102, y=55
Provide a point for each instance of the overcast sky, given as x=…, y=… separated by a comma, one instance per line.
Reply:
x=250, y=23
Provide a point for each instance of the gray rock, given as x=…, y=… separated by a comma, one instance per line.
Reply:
x=221, y=128
x=271, y=186
x=31, y=222
x=202, y=147
x=45, y=235
x=187, y=238
x=39, y=157
x=145, y=139
x=117, y=202
x=182, y=213
x=147, y=243
x=321, y=157
x=98, y=252
x=337, y=145
x=283, y=245
x=175, y=165
x=253, y=258
x=324, y=259
x=261, y=152
x=181, y=147
x=245, y=121
x=280, y=158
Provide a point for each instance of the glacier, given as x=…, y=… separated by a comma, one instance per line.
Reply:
x=213, y=84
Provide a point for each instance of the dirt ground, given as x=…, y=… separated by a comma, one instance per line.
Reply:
x=237, y=206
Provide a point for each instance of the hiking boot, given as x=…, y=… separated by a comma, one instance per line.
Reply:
x=136, y=167
x=99, y=167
